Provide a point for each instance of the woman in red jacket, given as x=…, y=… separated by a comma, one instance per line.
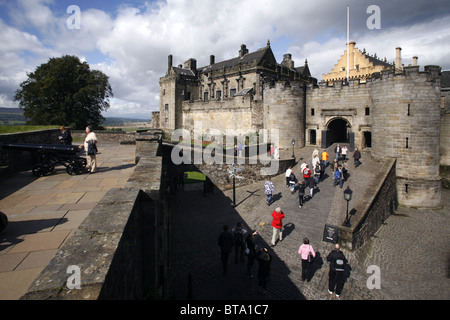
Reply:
x=277, y=225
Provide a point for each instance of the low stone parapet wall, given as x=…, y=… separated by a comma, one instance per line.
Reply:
x=377, y=203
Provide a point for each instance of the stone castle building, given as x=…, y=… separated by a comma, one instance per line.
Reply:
x=395, y=110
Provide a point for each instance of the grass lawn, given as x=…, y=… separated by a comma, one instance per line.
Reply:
x=16, y=129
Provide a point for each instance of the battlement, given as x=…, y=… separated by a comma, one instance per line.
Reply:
x=430, y=73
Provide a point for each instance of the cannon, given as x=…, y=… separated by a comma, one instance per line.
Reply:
x=50, y=156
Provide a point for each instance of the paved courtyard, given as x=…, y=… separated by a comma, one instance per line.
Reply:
x=44, y=212
x=411, y=249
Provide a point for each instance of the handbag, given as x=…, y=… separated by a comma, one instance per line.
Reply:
x=310, y=256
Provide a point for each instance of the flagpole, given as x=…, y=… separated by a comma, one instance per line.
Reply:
x=348, y=41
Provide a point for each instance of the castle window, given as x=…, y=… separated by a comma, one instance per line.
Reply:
x=367, y=111
x=232, y=92
x=312, y=111
x=409, y=109
x=187, y=96
x=407, y=143
x=357, y=67
x=406, y=188
x=218, y=95
x=166, y=107
x=205, y=96
x=164, y=92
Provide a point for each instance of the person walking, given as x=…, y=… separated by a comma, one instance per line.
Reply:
x=317, y=173
x=268, y=190
x=344, y=153
x=292, y=182
x=356, y=157
x=90, y=147
x=250, y=252
x=239, y=233
x=306, y=174
x=311, y=185
x=301, y=193
x=339, y=177
x=325, y=156
x=337, y=261
x=277, y=225
x=226, y=243
x=337, y=152
x=264, y=260
x=288, y=174
x=307, y=254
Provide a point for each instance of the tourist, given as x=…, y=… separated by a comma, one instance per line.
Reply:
x=301, y=193
x=226, y=243
x=65, y=138
x=315, y=155
x=357, y=157
x=339, y=177
x=322, y=170
x=239, y=242
x=324, y=157
x=268, y=190
x=311, y=184
x=337, y=262
x=317, y=173
x=90, y=147
x=337, y=152
x=344, y=153
x=288, y=174
x=306, y=174
x=292, y=182
x=264, y=259
x=306, y=251
x=250, y=252
x=334, y=166
x=272, y=151
x=277, y=225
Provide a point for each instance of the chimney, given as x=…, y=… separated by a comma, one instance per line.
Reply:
x=415, y=60
x=170, y=61
x=191, y=64
x=351, y=52
x=287, y=61
x=243, y=50
x=398, y=57
x=212, y=60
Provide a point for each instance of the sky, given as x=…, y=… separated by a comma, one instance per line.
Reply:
x=130, y=41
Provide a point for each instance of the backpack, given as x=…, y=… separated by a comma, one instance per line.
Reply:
x=306, y=173
x=238, y=237
x=317, y=169
x=340, y=265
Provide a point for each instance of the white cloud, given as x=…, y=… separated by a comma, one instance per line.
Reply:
x=131, y=45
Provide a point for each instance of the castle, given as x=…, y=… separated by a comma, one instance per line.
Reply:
x=395, y=110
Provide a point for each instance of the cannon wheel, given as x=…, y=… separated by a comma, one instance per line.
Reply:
x=74, y=169
x=38, y=171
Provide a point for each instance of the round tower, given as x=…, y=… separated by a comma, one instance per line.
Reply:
x=284, y=110
x=406, y=126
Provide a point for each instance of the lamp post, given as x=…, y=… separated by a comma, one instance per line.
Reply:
x=348, y=198
x=293, y=144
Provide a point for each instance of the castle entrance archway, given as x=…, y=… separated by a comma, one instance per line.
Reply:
x=338, y=130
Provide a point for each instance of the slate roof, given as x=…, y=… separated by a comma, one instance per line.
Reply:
x=246, y=59
x=445, y=79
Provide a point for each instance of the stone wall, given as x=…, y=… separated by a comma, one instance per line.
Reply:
x=377, y=203
x=122, y=247
x=123, y=137
x=14, y=161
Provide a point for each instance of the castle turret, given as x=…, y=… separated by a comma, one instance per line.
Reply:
x=406, y=125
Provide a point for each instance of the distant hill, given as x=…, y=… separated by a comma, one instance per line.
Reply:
x=14, y=117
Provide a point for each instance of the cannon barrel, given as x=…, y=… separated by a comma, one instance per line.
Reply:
x=50, y=148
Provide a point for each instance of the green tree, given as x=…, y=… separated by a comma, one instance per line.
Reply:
x=65, y=91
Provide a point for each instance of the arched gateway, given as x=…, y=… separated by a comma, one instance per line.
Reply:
x=338, y=129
